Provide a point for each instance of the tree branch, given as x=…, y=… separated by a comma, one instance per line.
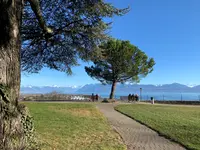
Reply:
x=37, y=10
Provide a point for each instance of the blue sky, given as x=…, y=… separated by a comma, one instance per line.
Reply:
x=168, y=31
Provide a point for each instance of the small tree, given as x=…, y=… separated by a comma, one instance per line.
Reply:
x=121, y=62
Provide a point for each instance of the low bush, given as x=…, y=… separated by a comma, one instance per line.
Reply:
x=105, y=100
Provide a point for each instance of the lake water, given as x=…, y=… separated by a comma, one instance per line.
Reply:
x=162, y=96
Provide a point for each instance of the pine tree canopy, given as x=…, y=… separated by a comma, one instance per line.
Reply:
x=55, y=33
x=121, y=62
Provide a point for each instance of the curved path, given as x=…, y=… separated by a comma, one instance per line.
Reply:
x=135, y=135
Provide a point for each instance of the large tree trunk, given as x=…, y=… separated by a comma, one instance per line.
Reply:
x=10, y=45
x=113, y=89
x=13, y=117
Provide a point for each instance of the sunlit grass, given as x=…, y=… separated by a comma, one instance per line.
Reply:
x=180, y=123
x=73, y=126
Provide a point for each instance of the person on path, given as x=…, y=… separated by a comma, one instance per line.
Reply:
x=97, y=97
x=136, y=97
x=92, y=97
x=133, y=97
x=129, y=97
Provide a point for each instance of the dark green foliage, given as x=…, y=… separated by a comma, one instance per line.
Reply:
x=105, y=100
x=108, y=100
x=121, y=62
x=76, y=27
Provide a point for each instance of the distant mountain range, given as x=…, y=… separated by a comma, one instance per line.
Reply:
x=48, y=89
x=105, y=89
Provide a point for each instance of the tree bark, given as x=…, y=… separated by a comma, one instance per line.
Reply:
x=113, y=89
x=10, y=45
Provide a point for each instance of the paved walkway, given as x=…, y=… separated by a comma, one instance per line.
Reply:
x=135, y=135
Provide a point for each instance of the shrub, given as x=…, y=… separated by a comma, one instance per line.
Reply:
x=105, y=100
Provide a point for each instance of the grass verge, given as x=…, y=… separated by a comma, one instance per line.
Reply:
x=178, y=123
x=73, y=126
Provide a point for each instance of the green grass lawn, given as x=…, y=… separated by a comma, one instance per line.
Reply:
x=180, y=123
x=73, y=126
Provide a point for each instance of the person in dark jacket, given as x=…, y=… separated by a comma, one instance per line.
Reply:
x=136, y=97
x=129, y=97
x=92, y=97
x=97, y=97
x=133, y=97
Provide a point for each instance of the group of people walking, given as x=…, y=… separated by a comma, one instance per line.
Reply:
x=133, y=97
x=94, y=97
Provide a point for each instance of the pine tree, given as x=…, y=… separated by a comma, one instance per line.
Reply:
x=121, y=62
